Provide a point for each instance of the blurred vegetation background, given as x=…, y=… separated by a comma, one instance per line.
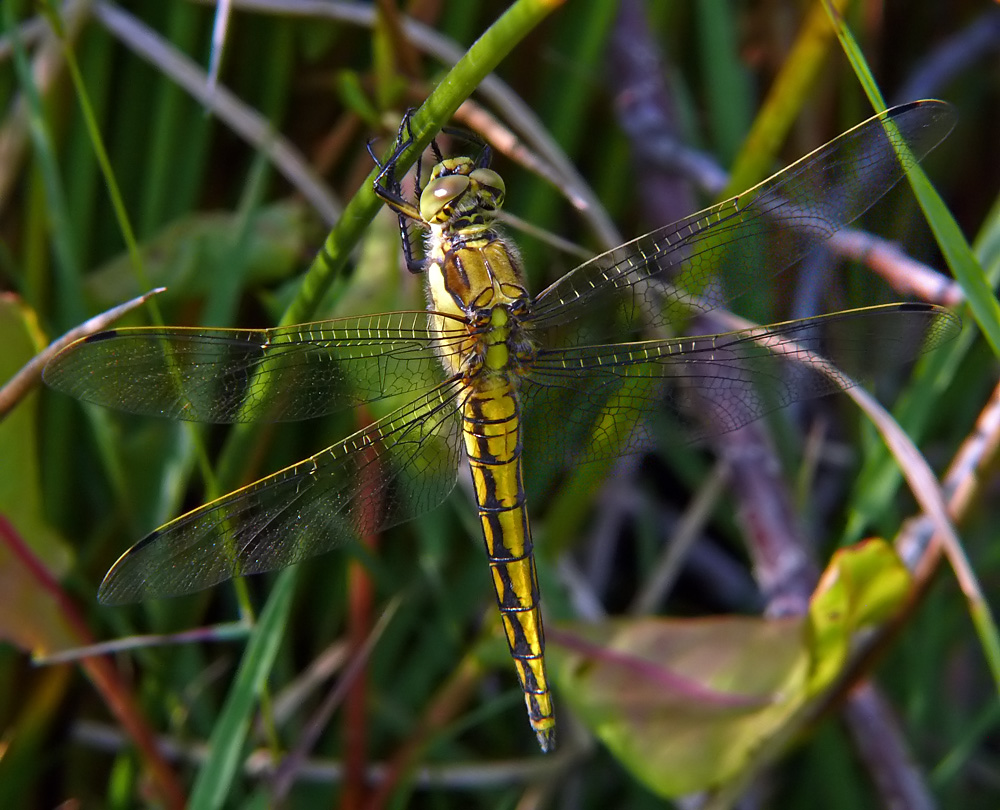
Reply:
x=624, y=115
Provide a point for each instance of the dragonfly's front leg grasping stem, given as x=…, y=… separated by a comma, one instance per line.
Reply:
x=388, y=188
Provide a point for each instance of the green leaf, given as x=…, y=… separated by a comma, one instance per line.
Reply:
x=230, y=732
x=862, y=586
x=957, y=253
x=188, y=255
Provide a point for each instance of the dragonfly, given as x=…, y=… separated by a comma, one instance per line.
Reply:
x=492, y=375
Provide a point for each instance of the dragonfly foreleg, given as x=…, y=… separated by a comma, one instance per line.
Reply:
x=389, y=189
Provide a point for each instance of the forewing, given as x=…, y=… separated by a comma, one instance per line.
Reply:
x=245, y=375
x=676, y=271
x=588, y=403
x=386, y=473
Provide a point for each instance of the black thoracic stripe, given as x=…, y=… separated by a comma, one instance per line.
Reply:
x=454, y=270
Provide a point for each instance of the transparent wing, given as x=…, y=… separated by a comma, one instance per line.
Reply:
x=245, y=375
x=387, y=473
x=589, y=402
x=671, y=273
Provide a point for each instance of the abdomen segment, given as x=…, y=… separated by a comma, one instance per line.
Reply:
x=491, y=429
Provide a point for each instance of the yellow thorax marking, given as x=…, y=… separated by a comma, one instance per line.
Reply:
x=497, y=355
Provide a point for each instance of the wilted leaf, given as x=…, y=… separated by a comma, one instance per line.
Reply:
x=682, y=704
x=688, y=705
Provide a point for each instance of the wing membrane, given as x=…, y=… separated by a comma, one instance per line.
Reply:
x=246, y=375
x=386, y=473
x=669, y=274
x=589, y=402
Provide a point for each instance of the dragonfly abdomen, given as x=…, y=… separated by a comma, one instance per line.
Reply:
x=491, y=429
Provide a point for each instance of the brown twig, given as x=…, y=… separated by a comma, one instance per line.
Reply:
x=644, y=113
x=644, y=108
x=954, y=56
x=500, y=96
x=260, y=763
x=286, y=773
x=22, y=382
x=921, y=543
x=361, y=598
x=781, y=562
x=903, y=273
x=883, y=749
x=241, y=118
x=200, y=635
x=452, y=694
x=918, y=544
x=47, y=66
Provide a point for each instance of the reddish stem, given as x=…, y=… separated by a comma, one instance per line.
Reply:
x=360, y=600
x=100, y=671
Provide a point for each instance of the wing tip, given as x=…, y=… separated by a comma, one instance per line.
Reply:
x=97, y=337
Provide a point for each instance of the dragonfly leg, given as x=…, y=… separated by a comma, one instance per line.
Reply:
x=388, y=188
x=485, y=151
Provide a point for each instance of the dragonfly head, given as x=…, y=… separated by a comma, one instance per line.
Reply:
x=460, y=190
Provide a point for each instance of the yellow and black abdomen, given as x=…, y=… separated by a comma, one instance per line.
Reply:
x=492, y=432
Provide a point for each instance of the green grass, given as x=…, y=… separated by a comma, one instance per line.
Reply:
x=113, y=146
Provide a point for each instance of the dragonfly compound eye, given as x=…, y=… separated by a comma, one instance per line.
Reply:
x=439, y=196
x=491, y=185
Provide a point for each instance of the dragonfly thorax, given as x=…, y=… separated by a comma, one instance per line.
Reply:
x=473, y=273
x=480, y=284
